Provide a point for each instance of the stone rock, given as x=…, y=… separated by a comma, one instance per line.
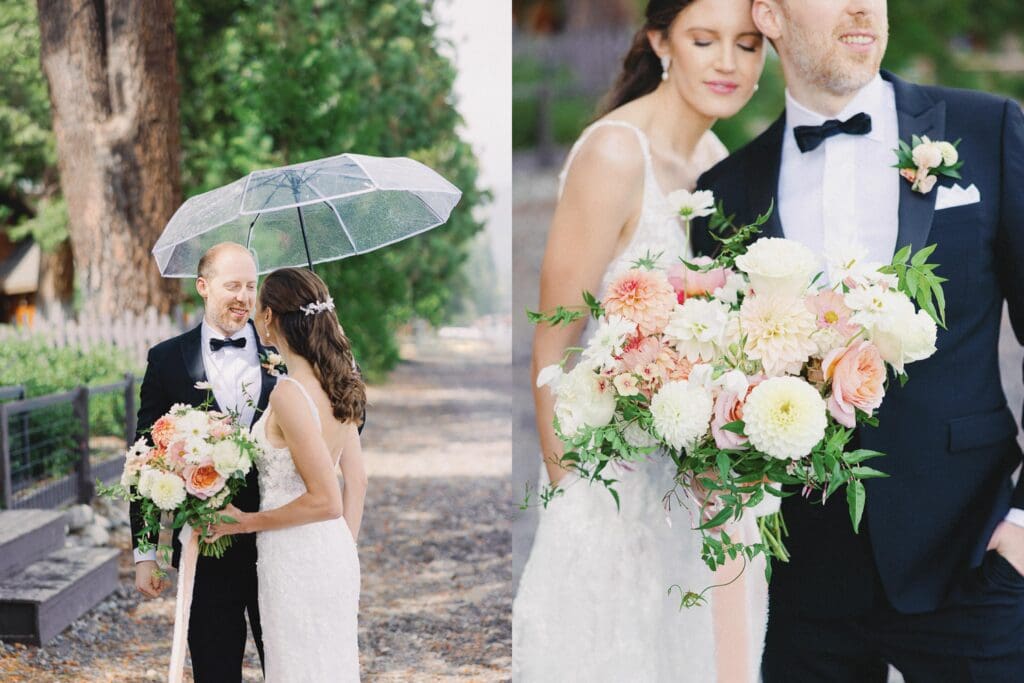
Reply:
x=79, y=517
x=95, y=535
x=100, y=520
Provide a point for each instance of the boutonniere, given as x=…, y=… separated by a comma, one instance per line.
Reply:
x=273, y=363
x=923, y=161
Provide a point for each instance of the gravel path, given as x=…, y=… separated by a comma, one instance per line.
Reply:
x=435, y=548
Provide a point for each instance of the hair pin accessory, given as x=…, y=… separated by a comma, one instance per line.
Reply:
x=318, y=307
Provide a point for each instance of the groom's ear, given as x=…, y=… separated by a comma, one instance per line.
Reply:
x=767, y=17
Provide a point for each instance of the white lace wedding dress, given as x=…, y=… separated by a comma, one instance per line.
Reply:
x=592, y=603
x=308, y=580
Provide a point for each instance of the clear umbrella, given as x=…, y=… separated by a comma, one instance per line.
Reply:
x=309, y=213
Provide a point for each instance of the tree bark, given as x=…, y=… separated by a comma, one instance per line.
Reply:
x=112, y=72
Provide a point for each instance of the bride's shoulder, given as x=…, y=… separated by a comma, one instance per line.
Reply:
x=287, y=398
x=610, y=148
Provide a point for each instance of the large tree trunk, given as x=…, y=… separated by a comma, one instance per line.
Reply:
x=112, y=71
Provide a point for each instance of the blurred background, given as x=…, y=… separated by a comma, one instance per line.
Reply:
x=111, y=115
x=567, y=53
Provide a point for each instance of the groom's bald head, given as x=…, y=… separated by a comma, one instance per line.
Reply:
x=831, y=45
x=218, y=252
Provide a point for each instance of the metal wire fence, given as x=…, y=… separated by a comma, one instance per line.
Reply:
x=53, y=447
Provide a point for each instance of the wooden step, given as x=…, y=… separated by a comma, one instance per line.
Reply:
x=27, y=536
x=41, y=600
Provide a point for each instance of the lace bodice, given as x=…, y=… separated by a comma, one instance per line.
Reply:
x=280, y=481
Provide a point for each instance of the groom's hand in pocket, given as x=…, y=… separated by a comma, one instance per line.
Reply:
x=1008, y=541
x=148, y=580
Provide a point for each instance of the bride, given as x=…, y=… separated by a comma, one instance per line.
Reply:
x=592, y=603
x=306, y=529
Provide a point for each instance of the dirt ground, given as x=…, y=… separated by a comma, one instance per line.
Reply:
x=435, y=548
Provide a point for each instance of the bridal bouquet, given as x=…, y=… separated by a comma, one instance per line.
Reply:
x=198, y=461
x=744, y=370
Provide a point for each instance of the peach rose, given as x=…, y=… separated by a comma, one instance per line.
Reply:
x=689, y=283
x=643, y=297
x=163, y=431
x=908, y=173
x=858, y=375
x=203, y=481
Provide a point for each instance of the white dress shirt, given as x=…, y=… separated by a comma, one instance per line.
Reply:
x=233, y=372
x=236, y=379
x=845, y=193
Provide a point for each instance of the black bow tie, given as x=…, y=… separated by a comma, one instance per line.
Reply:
x=809, y=137
x=218, y=344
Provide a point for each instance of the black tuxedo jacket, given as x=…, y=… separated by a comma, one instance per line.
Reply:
x=172, y=369
x=948, y=435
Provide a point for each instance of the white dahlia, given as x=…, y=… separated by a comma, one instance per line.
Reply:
x=779, y=333
x=682, y=413
x=778, y=266
x=784, y=417
x=697, y=327
x=583, y=399
x=167, y=490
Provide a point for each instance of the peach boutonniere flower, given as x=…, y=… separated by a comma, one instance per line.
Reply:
x=273, y=363
x=923, y=161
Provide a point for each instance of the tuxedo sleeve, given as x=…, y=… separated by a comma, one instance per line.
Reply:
x=152, y=405
x=1010, y=247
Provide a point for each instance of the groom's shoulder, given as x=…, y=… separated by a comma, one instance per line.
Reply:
x=973, y=104
x=167, y=346
x=734, y=168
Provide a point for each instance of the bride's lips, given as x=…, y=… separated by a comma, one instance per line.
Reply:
x=858, y=41
x=722, y=87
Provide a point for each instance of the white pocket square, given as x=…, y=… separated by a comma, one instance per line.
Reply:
x=949, y=197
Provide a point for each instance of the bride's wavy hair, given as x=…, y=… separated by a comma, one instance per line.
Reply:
x=317, y=337
x=641, y=69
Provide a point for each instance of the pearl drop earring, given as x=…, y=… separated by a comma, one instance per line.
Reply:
x=666, y=62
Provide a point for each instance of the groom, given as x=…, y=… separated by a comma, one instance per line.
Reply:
x=225, y=351
x=934, y=581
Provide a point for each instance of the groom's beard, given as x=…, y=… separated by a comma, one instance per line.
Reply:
x=822, y=61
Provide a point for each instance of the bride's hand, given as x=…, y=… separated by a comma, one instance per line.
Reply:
x=225, y=528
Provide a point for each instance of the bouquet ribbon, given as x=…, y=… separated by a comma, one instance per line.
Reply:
x=183, y=602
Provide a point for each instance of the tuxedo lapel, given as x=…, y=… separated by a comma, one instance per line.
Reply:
x=267, y=381
x=192, y=355
x=763, y=178
x=918, y=115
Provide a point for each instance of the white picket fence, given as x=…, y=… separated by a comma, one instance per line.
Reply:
x=132, y=333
